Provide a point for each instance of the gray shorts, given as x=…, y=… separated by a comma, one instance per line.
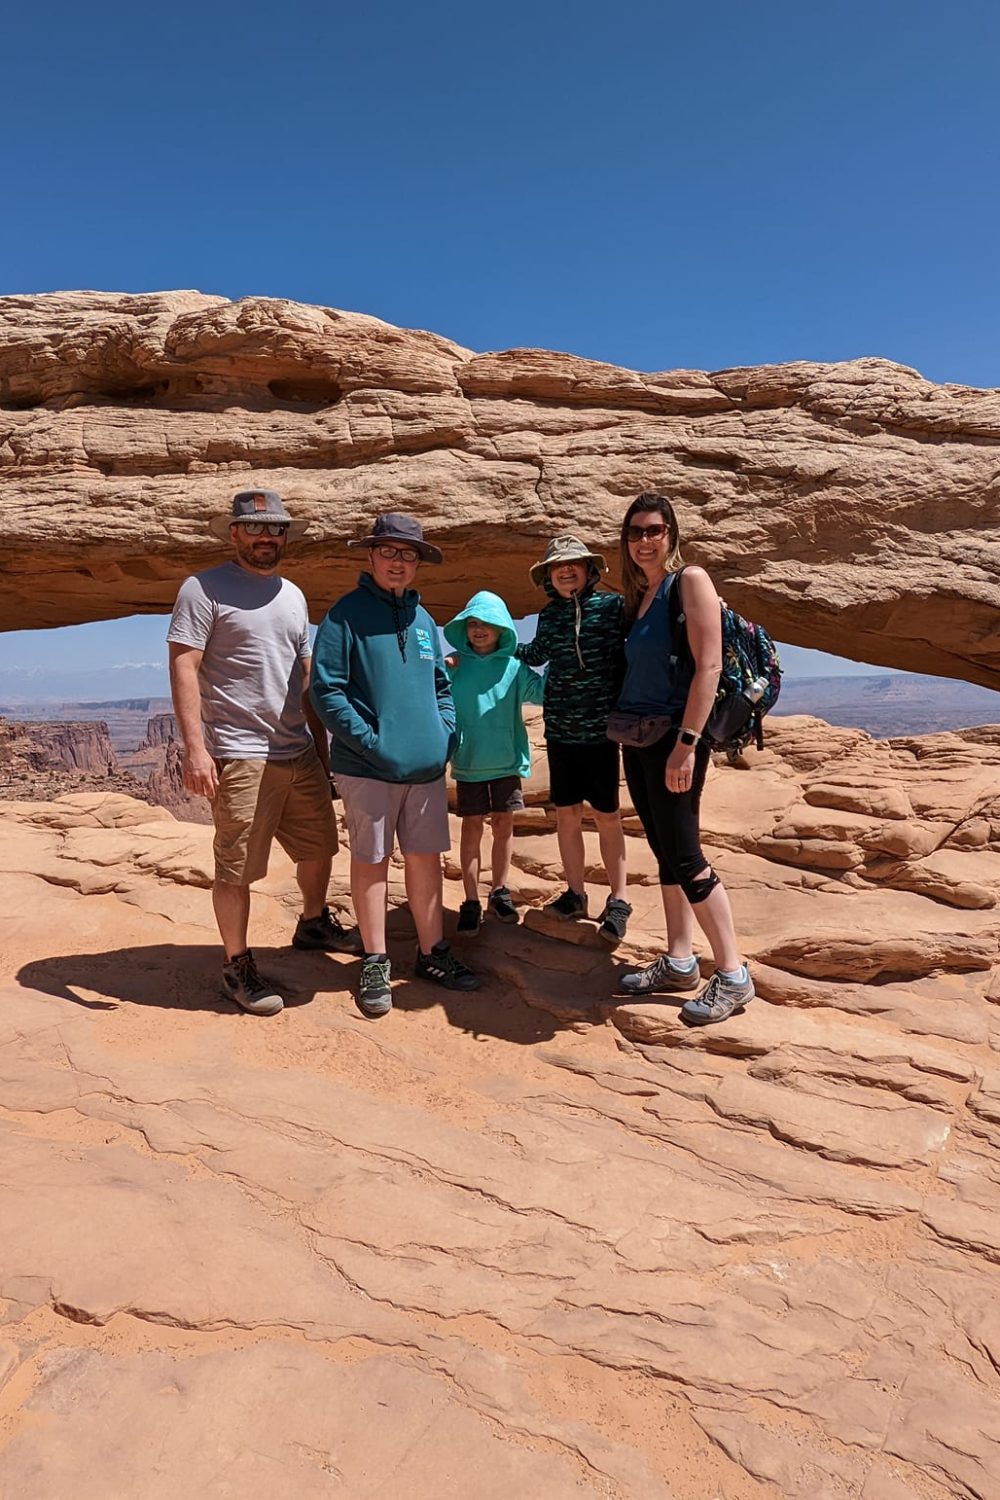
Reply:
x=377, y=812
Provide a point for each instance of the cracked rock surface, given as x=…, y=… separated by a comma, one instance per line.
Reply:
x=851, y=507
x=530, y=1241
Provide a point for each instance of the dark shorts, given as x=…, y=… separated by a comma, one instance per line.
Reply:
x=477, y=799
x=584, y=773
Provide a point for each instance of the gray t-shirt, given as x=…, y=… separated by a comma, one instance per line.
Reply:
x=254, y=632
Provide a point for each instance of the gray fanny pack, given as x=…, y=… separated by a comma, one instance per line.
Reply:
x=638, y=731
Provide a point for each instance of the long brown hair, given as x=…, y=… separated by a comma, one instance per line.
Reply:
x=634, y=580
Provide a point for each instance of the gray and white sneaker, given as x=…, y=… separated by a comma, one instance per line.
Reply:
x=660, y=978
x=243, y=984
x=374, y=997
x=720, y=999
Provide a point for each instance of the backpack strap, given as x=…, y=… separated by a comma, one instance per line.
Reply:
x=678, y=619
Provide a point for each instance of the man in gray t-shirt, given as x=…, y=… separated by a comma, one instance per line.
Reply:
x=240, y=662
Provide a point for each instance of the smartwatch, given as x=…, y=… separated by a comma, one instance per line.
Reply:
x=688, y=737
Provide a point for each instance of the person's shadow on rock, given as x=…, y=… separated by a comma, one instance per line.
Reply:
x=184, y=976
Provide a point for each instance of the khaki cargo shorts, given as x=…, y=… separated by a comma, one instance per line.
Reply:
x=261, y=800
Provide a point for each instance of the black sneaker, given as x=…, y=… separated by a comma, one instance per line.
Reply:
x=568, y=907
x=442, y=967
x=501, y=905
x=325, y=933
x=374, y=997
x=470, y=918
x=243, y=984
x=614, y=920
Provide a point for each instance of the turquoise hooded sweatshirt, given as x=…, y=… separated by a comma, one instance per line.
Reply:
x=488, y=692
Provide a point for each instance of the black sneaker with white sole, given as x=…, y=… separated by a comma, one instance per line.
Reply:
x=441, y=966
x=243, y=983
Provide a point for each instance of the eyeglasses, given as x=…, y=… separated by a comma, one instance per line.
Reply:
x=645, y=533
x=258, y=528
x=405, y=554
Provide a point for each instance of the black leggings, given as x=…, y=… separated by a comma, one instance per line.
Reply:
x=670, y=819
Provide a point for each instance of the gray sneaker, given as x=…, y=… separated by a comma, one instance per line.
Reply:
x=374, y=997
x=243, y=984
x=720, y=999
x=660, y=978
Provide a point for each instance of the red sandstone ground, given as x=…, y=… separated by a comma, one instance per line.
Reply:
x=527, y=1242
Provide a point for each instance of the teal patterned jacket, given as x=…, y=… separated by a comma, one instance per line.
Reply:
x=579, y=697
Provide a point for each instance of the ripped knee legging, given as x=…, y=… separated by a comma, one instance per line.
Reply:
x=670, y=819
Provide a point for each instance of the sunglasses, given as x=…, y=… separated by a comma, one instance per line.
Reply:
x=405, y=554
x=258, y=528
x=645, y=533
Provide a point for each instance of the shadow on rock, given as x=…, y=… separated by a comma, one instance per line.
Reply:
x=184, y=976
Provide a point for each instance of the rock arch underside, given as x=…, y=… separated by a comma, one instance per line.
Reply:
x=532, y=1241
x=851, y=507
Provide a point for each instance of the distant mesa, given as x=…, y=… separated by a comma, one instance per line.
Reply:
x=850, y=507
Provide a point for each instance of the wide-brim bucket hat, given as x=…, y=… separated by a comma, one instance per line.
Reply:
x=565, y=549
x=393, y=527
x=256, y=505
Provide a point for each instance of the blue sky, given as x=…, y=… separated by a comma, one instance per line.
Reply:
x=652, y=184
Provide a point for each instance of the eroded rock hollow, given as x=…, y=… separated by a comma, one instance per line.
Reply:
x=850, y=507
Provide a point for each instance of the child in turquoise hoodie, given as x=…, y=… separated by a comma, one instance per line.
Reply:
x=489, y=686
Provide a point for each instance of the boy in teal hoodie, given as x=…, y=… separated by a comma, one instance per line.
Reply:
x=489, y=687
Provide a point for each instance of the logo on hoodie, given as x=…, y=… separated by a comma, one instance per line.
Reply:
x=424, y=644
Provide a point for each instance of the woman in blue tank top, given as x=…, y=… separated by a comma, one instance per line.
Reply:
x=664, y=704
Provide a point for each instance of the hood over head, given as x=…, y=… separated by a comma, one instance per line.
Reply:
x=491, y=609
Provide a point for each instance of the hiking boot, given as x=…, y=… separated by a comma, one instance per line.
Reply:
x=660, y=978
x=374, y=997
x=614, y=920
x=720, y=999
x=442, y=967
x=470, y=918
x=243, y=984
x=325, y=933
x=569, y=907
x=501, y=905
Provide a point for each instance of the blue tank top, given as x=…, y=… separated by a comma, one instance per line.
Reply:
x=656, y=681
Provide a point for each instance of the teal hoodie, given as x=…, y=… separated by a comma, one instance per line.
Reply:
x=380, y=686
x=488, y=692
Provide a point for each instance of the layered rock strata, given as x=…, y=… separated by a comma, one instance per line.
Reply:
x=850, y=507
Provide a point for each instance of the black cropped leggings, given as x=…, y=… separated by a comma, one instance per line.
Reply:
x=670, y=819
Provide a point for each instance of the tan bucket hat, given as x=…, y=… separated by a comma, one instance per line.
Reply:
x=563, y=549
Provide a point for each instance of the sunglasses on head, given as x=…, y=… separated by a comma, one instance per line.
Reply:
x=645, y=533
x=258, y=528
x=405, y=554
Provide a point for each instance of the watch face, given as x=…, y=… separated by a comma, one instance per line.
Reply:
x=687, y=738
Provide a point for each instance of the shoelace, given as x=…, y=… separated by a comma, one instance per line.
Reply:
x=246, y=970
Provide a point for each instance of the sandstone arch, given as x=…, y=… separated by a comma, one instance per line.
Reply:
x=850, y=507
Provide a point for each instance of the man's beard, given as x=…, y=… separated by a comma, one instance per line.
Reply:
x=260, y=557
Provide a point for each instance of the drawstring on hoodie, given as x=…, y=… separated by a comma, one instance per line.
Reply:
x=577, y=624
x=402, y=630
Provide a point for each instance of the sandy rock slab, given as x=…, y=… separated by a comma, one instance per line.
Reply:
x=274, y=1419
x=526, y=1236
